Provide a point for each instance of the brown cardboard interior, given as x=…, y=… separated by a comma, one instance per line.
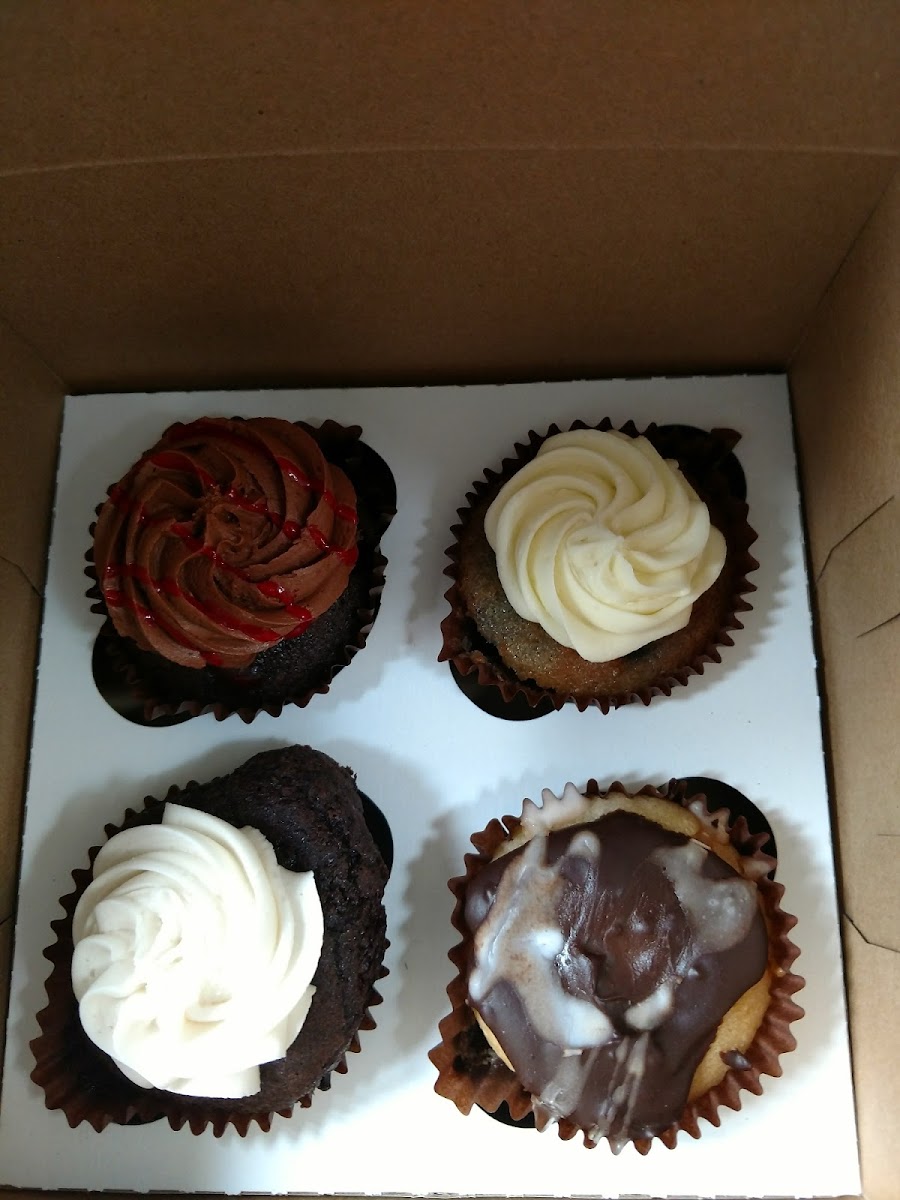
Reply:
x=232, y=197
x=844, y=384
x=170, y=278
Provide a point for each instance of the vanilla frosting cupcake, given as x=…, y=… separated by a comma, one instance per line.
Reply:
x=624, y=967
x=599, y=565
x=603, y=543
x=194, y=954
x=217, y=961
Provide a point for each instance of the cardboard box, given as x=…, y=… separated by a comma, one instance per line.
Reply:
x=223, y=194
x=440, y=768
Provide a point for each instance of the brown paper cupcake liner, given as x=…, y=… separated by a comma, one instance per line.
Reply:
x=702, y=458
x=83, y=1081
x=470, y=1073
x=376, y=494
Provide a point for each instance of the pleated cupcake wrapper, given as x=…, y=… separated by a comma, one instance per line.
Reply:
x=469, y=653
x=67, y=1064
x=379, y=495
x=491, y=1083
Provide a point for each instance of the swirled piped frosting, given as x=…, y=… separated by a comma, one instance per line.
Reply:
x=194, y=954
x=223, y=539
x=603, y=543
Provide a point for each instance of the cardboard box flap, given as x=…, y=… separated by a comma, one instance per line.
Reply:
x=844, y=382
x=431, y=268
x=859, y=611
x=86, y=84
x=874, y=984
x=6, y=938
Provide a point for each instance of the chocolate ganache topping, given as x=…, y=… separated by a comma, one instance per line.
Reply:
x=604, y=956
x=226, y=537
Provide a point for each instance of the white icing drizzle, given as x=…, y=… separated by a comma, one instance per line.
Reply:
x=650, y=1012
x=625, y=1086
x=520, y=941
x=720, y=911
x=715, y=823
x=561, y=1095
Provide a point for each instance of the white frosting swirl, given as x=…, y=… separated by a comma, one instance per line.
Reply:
x=603, y=543
x=194, y=954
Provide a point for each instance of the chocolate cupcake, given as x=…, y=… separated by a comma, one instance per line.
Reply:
x=238, y=563
x=599, y=566
x=624, y=967
x=216, y=962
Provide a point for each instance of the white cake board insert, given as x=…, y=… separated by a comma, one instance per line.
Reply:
x=440, y=769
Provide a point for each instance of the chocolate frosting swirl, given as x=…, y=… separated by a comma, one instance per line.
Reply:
x=223, y=539
x=604, y=956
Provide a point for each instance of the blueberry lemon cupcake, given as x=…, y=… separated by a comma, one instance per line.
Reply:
x=599, y=566
x=624, y=967
x=217, y=961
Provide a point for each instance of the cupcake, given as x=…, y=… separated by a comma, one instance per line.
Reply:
x=217, y=960
x=600, y=566
x=624, y=967
x=237, y=563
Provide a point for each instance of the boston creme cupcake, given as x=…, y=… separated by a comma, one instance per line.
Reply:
x=624, y=967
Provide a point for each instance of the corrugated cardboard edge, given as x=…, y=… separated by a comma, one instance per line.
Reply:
x=844, y=385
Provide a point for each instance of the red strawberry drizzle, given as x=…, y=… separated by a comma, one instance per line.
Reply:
x=174, y=460
x=117, y=599
x=268, y=588
x=296, y=474
x=343, y=511
x=167, y=585
x=177, y=460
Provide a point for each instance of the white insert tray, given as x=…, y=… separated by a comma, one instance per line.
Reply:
x=440, y=769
